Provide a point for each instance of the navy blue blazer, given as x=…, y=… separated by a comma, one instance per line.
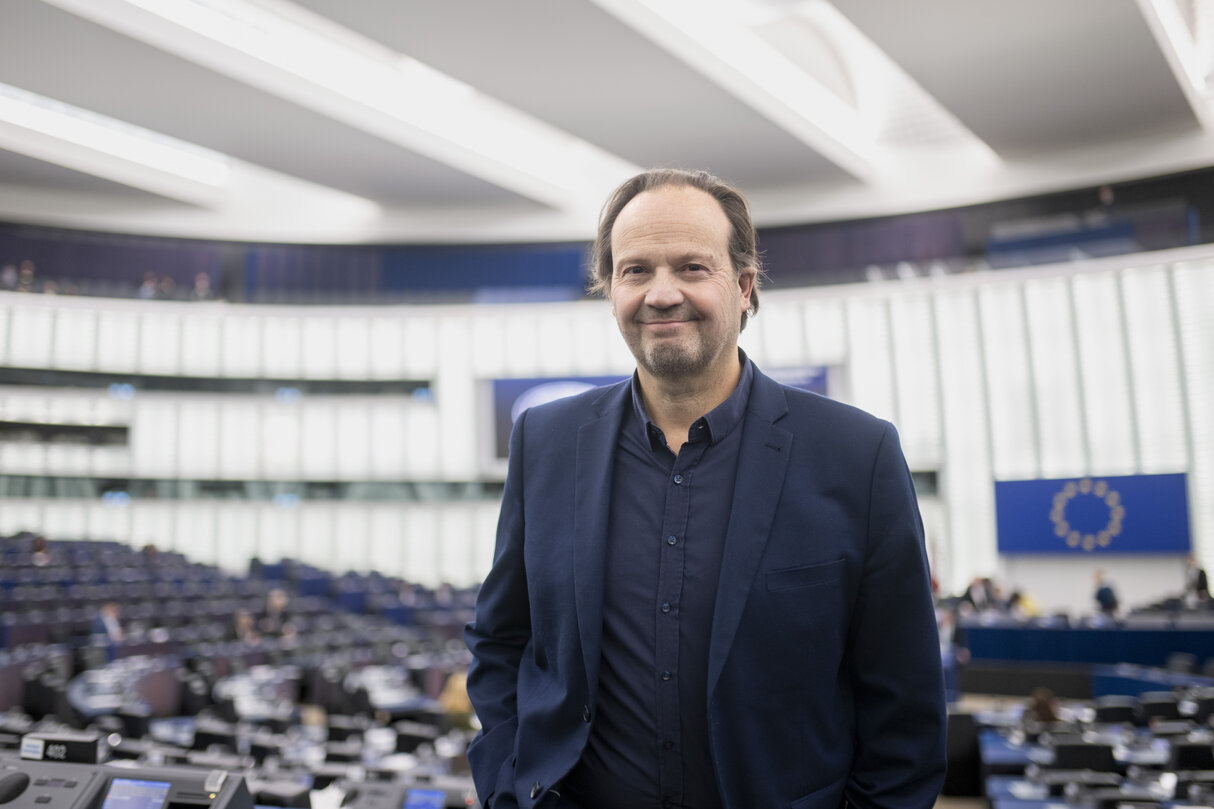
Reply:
x=824, y=679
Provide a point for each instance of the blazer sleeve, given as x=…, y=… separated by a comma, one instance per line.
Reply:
x=895, y=652
x=497, y=638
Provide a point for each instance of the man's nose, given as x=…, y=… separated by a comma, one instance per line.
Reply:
x=664, y=290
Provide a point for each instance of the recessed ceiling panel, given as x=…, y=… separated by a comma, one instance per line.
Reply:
x=55, y=54
x=19, y=170
x=1069, y=92
x=1033, y=74
x=574, y=66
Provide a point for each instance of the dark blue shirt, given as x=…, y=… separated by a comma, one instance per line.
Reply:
x=669, y=513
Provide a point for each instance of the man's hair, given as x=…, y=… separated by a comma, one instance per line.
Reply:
x=743, y=251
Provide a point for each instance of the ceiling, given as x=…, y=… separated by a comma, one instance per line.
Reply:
x=482, y=120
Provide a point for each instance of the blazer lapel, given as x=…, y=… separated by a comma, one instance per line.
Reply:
x=596, y=441
x=762, y=462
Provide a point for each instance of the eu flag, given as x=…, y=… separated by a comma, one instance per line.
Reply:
x=1112, y=514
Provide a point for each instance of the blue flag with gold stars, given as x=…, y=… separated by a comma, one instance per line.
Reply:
x=1093, y=515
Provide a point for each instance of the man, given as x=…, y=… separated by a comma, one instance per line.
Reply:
x=106, y=629
x=981, y=594
x=709, y=590
x=1197, y=584
x=1105, y=595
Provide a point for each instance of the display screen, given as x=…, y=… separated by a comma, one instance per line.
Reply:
x=425, y=799
x=127, y=793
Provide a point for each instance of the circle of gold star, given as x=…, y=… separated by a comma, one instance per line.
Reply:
x=1088, y=488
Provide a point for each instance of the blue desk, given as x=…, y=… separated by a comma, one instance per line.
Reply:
x=1016, y=803
x=1115, y=644
x=1013, y=787
x=1000, y=756
x=1132, y=680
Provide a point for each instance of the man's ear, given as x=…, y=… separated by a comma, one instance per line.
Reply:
x=746, y=285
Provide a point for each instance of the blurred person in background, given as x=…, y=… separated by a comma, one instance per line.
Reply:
x=1105, y=595
x=244, y=628
x=1196, y=584
x=275, y=620
x=26, y=277
x=40, y=551
x=202, y=288
x=107, y=628
x=147, y=287
x=1042, y=706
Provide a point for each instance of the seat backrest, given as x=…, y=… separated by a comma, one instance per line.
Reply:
x=1158, y=707
x=1116, y=709
x=1191, y=756
x=1204, y=709
x=1084, y=756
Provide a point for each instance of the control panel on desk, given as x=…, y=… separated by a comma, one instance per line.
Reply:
x=29, y=784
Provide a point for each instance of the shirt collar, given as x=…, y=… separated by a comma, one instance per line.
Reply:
x=717, y=424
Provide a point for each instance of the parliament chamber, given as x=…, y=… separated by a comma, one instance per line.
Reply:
x=331, y=679
x=278, y=276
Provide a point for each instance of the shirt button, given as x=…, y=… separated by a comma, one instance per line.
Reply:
x=585, y=713
x=665, y=606
x=668, y=745
x=665, y=675
x=672, y=539
x=678, y=478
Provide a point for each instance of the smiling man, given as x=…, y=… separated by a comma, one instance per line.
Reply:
x=709, y=590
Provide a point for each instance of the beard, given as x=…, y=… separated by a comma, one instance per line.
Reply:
x=689, y=355
x=674, y=360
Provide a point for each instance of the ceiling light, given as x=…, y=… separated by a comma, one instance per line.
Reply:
x=720, y=46
x=1189, y=51
x=85, y=141
x=284, y=49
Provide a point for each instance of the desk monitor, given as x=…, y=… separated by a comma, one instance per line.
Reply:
x=129, y=793
x=423, y=799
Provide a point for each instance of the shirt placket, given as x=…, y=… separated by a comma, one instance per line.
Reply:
x=671, y=568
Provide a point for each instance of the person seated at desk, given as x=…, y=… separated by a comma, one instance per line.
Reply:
x=276, y=621
x=982, y=594
x=244, y=629
x=107, y=628
x=1045, y=713
x=1197, y=584
x=952, y=633
x=40, y=551
x=1106, y=597
x=1022, y=606
x=1042, y=707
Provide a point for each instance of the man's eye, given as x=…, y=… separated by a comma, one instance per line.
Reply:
x=632, y=271
x=696, y=267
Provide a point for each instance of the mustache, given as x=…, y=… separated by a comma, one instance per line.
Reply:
x=650, y=315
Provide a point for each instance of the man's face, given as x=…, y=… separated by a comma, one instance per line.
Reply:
x=674, y=292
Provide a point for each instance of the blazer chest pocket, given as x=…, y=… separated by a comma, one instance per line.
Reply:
x=805, y=576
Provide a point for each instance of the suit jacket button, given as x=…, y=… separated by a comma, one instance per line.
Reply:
x=536, y=789
x=585, y=713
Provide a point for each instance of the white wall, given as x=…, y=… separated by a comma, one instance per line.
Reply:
x=1066, y=584
x=422, y=542
x=1103, y=367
